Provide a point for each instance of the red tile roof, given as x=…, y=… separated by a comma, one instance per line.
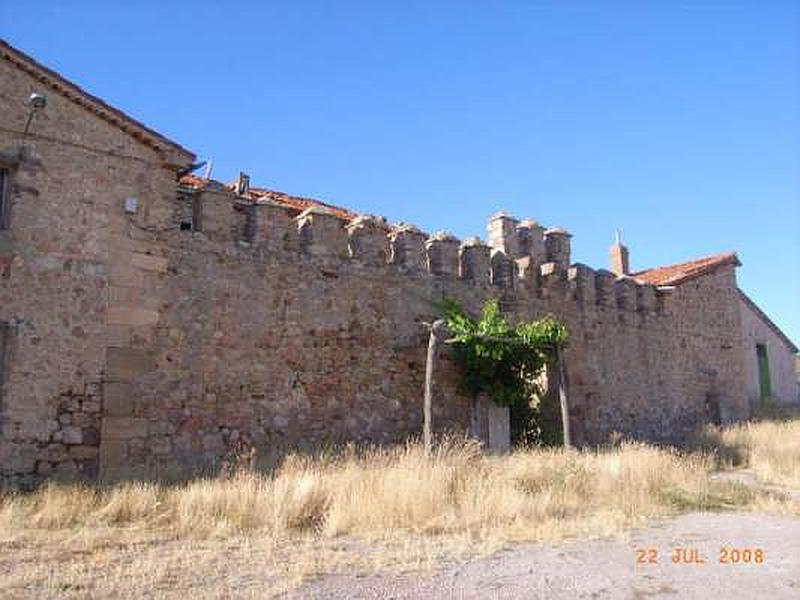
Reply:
x=298, y=203
x=295, y=204
x=81, y=97
x=193, y=181
x=686, y=271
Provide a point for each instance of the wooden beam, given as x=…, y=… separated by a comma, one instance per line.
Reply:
x=437, y=329
x=562, y=397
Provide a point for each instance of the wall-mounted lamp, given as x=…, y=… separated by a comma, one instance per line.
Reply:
x=37, y=102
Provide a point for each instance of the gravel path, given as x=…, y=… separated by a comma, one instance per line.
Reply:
x=608, y=568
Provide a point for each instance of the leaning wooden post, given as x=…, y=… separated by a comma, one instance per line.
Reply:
x=437, y=328
x=562, y=396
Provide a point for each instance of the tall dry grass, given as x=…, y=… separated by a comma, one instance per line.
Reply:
x=383, y=493
x=358, y=509
x=771, y=449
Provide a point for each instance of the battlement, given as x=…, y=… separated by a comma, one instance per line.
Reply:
x=522, y=257
x=209, y=318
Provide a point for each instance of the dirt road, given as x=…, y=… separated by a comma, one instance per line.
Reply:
x=608, y=568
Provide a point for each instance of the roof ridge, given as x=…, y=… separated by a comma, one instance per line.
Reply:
x=63, y=86
x=677, y=273
x=702, y=259
x=770, y=323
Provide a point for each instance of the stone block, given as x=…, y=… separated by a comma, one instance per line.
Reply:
x=408, y=247
x=530, y=236
x=72, y=435
x=118, y=335
x=44, y=468
x=118, y=399
x=149, y=262
x=625, y=289
x=502, y=234
x=91, y=436
x=272, y=225
x=126, y=275
x=113, y=453
x=90, y=406
x=123, y=428
x=83, y=452
x=134, y=317
x=322, y=232
x=504, y=272
x=160, y=446
x=604, y=288
x=119, y=295
x=557, y=246
x=442, y=251
x=527, y=272
x=475, y=261
x=124, y=364
x=582, y=281
x=646, y=297
x=368, y=240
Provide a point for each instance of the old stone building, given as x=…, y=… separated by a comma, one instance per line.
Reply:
x=153, y=322
x=770, y=358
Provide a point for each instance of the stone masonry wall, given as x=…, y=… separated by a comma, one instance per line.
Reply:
x=70, y=176
x=781, y=360
x=275, y=333
x=133, y=348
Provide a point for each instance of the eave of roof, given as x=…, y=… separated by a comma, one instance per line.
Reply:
x=767, y=321
x=296, y=204
x=679, y=273
x=299, y=203
x=139, y=131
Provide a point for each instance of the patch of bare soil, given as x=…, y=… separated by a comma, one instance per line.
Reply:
x=635, y=565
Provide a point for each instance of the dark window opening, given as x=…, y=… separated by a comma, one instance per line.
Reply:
x=186, y=226
x=5, y=198
x=764, y=383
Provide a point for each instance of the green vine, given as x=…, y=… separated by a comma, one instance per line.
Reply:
x=504, y=360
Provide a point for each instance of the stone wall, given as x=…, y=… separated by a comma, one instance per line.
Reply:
x=133, y=347
x=277, y=333
x=780, y=356
x=70, y=176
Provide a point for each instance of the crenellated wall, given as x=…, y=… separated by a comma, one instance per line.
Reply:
x=150, y=330
x=277, y=331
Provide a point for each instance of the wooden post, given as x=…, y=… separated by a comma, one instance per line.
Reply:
x=437, y=328
x=562, y=397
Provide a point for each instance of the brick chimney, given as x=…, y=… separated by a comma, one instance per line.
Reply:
x=618, y=256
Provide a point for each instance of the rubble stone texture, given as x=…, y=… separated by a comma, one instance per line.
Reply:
x=133, y=347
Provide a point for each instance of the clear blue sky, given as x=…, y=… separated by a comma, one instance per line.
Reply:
x=679, y=125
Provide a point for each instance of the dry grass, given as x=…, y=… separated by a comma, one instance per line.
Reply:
x=368, y=509
x=770, y=449
x=380, y=493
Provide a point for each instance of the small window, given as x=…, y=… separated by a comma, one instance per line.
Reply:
x=186, y=226
x=5, y=198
